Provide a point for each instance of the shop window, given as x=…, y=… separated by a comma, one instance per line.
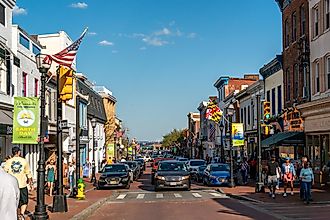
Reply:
x=302, y=21
x=317, y=77
x=24, y=41
x=296, y=80
x=294, y=27
x=279, y=99
x=327, y=14
x=24, y=84
x=316, y=22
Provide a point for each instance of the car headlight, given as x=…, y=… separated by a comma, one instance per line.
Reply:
x=185, y=177
x=160, y=177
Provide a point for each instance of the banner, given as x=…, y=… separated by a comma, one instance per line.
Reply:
x=26, y=120
x=110, y=151
x=237, y=134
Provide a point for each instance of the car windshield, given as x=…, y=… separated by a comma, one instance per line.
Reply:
x=172, y=167
x=114, y=169
x=131, y=164
x=220, y=167
x=202, y=168
x=196, y=163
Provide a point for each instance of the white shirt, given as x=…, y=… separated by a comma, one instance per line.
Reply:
x=72, y=169
x=9, y=196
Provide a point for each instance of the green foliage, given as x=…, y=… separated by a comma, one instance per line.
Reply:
x=174, y=137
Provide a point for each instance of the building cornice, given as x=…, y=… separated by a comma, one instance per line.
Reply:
x=317, y=107
x=272, y=67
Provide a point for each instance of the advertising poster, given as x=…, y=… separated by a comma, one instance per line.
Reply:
x=26, y=120
x=237, y=134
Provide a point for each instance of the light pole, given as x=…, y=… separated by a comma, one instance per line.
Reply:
x=93, y=122
x=221, y=126
x=40, y=208
x=127, y=148
x=260, y=183
x=230, y=111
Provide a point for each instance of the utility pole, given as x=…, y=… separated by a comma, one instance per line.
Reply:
x=259, y=183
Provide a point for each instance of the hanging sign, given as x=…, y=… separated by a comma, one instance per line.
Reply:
x=237, y=134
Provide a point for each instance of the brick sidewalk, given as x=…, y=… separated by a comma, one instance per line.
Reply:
x=248, y=192
x=74, y=206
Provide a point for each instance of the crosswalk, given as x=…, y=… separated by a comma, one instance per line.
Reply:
x=152, y=196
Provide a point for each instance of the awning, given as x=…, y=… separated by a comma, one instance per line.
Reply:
x=6, y=117
x=284, y=138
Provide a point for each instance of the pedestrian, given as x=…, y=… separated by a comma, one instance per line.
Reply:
x=288, y=175
x=72, y=169
x=304, y=160
x=272, y=176
x=9, y=196
x=19, y=168
x=4, y=162
x=50, y=173
x=279, y=176
x=307, y=180
x=244, y=171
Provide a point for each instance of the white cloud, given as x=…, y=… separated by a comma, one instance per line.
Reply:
x=191, y=35
x=19, y=11
x=81, y=5
x=106, y=43
x=154, y=41
x=164, y=31
x=91, y=33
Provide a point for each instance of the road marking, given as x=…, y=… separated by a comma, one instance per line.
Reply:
x=217, y=195
x=159, y=196
x=176, y=195
x=197, y=195
x=121, y=196
x=140, y=196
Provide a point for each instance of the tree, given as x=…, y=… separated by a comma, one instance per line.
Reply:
x=173, y=138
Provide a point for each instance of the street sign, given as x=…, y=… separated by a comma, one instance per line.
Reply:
x=64, y=124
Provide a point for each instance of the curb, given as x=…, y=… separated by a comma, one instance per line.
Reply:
x=239, y=197
x=90, y=210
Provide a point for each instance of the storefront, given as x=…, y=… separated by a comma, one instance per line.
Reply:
x=6, y=133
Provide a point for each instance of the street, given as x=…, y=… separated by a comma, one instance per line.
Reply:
x=141, y=202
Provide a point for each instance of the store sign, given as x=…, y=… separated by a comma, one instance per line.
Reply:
x=111, y=150
x=26, y=120
x=237, y=134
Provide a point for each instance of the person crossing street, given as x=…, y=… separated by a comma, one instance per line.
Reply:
x=289, y=174
x=272, y=176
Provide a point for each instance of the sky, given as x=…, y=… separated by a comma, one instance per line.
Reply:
x=160, y=58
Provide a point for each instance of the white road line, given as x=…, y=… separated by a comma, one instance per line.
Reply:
x=159, y=196
x=121, y=196
x=217, y=195
x=176, y=195
x=140, y=196
x=197, y=195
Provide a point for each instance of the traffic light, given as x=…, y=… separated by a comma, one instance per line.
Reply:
x=65, y=83
x=266, y=111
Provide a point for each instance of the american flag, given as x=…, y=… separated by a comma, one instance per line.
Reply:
x=212, y=132
x=66, y=56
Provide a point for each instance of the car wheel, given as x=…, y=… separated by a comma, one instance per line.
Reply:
x=127, y=186
x=156, y=188
x=204, y=181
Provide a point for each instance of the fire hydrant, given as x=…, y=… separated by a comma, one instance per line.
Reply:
x=81, y=190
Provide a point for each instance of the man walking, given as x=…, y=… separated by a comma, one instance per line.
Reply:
x=244, y=171
x=19, y=168
x=9, y=196
x=272, y=176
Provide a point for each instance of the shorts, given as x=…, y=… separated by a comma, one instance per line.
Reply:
x=272, y=180
x=288, y=177
x=23, y=196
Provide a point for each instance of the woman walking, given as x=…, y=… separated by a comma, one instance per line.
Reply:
x=50, y=173
x=288, y=175
x=307, y=180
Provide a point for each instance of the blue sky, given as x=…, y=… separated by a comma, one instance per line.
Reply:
x=161, y=57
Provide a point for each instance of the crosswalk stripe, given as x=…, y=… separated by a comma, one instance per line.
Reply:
x=216, y=194
x=140, y=196
x=197, y=195
x=159, y=196
x=121, y=196
x=176, y=195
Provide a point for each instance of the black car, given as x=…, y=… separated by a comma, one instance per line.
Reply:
x=141, y=163
x=172, y=174
x=114, y=175
x=133, y=165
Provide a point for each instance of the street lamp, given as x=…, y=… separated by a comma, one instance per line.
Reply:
x=127, y=148
x=93, y=122
x=40, y=208
x=221, y=126
x=230, y=111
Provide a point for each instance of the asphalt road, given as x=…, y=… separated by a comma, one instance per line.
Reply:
x=141, y=202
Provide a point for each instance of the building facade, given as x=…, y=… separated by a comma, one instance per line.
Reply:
x=193, y=133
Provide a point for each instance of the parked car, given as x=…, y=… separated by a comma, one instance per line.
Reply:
x=194, y=164
x=133, y=165
x=114, y=175
x=217, y=174
x=198, y=175
x=172, y=174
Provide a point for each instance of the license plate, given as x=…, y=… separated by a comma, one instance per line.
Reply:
x=113, y=182
x=172, y=184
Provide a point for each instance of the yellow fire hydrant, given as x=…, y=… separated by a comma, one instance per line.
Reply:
x=81, y=190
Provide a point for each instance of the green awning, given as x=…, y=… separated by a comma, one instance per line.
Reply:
x=284, y=138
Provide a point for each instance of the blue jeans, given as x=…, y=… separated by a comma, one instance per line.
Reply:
x=71, y=181
x=307, y=190
x=244, y=176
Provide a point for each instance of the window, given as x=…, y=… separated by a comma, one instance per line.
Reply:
x=249, y=114
x=279, y=99
x=327, y=14
x=36, y=50
x=287, y=36
x=288, y=84
x=24, y=41
x=302, y=21
x=245, y=118
x=2, y=15
x=273, y=101
x=296, y=80
x=268, y=96
x=252, y=113
x=317, y=78
x=36, y=85
x=294, y=27
x=328, y=71
x=316, y=21
x=24, y=84
x=242, y=116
